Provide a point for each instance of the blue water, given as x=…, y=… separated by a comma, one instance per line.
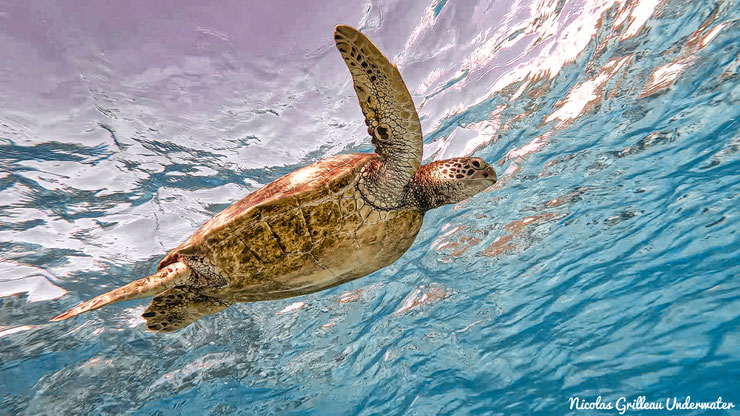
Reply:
x=603, y=263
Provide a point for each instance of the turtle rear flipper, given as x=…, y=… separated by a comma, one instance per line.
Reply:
x=178, y=308
x=167, y=277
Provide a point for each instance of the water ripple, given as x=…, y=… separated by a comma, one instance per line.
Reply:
x=603, y=262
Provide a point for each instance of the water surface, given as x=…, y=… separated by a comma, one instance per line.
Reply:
x=603, y=263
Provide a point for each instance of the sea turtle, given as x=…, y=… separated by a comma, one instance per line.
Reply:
x=320, y=226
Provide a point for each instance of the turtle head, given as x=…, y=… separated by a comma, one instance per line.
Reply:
x=451, y=181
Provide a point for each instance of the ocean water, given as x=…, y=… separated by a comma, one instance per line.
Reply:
x=603, y=263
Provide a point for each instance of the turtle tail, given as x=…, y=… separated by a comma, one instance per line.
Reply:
x=168, y=277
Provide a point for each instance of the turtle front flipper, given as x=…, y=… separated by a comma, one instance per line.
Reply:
x=179, y=307
x=390, y=116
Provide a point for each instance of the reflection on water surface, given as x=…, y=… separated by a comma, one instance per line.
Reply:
x=600, y=264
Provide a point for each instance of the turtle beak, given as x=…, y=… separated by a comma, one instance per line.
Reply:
x=486, y=173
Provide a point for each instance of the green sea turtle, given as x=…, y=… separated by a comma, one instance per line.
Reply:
x=320, y=226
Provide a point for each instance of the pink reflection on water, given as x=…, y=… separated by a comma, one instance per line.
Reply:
x=528, y=49
x=586, y=94
x=422, y=295
x=291, y=308
x=664, y=76
x=507, y=242
x=638, y=16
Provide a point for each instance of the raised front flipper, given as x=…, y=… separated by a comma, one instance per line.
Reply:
x=390, y=116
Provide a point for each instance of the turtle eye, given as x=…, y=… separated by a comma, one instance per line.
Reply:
x=478, y=163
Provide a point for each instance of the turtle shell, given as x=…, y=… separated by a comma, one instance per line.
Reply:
x=304, y=232
x=312, y=182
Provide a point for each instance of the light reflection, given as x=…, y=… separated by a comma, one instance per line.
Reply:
x=639, y=15
x=664, y=76
x=533, y=146
x=427, y=21
x=711, y=34
x=466, y=140
x=35, y=282
x=421, y=296
x=350, y=296
x=291, y=308
x=547, y=42
x=586, y=94
x=506, y=243
x=5, y=331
